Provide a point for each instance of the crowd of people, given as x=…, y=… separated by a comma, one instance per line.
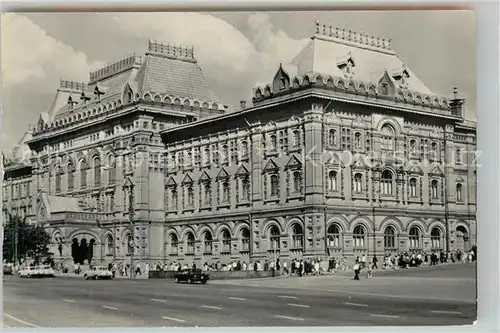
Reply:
x=299, y=267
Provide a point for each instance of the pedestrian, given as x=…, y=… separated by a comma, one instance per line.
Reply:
x=374, y=262
x=356, y=271
x=137, y=269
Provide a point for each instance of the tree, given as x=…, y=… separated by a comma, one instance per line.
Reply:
x=32, y=240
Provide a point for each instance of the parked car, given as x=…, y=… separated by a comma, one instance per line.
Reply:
x=191, y=276
x=30, y=272
x=47, y=271
x=98, y=273
x=7, y=270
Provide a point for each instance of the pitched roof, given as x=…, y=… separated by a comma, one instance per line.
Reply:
x=164, y=69
x=323, y=53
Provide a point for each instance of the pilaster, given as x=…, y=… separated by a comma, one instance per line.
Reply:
x=314, y=189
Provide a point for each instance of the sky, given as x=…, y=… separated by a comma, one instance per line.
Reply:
x=236, y=50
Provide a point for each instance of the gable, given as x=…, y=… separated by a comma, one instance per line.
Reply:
x=281, y=80
x=205, y=176
x=436, y=170
x=271, y=165
x=293, y=162
x=360, y=163
x=187, y=179
x=242, y=170
x=386, y=85
x=415, y=169
x=335, y=159
x=171, y=181
x=223, y=173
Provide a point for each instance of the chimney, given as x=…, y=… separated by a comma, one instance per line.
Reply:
x=456, y=104
x=243, y=104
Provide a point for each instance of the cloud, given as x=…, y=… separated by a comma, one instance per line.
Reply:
x=28, y=52
x=225, y=54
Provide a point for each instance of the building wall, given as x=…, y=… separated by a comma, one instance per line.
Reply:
x=306, y=214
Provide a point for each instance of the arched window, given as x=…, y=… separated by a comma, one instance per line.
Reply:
x=83, y=173
x=297, y=182
x=436, y=238
x=274, y=237
x=207, y=241
x=414, y=237
x=297, y=236
x=388, y=135
x=459, y=192
x=358, y=140
x=225, y=191
x=189, y=195
x=174, y=244
x=226, y=241
x=244, y=149
x=274, y=142
x=296, y=138
x=58, y=179
x=71, y=176
x=130, y=244
x=110, y=245
x=434, y=189
x=245, y=239
x=274, y=185
x=413, y=187
x=389, y=238
x=386, y=181
x=358, y=183
x=190, y=242
x=206, y=156
x=332, y=181
x=332, y=137
x=333, y=236
x=413, y=146
x=97, y=171
x=225, y=153
x=458, y=156
x=359, y=236
x=207, y=193
x=434, y=147
x=111, y=170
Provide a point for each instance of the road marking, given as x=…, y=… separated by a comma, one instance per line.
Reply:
x=290, y=318
x=20, y=320
x=383, y=316
x=109, y=307
x=174, y=319
x=356, y=304
x=237, y=298
x=211, y=307
x=69, y=300
x=158, y=300
x=299, y=305
x=284, y=296
x=446, y=312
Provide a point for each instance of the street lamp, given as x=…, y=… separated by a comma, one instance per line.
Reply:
x=130, y=186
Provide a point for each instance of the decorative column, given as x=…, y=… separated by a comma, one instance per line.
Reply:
x=313, y=163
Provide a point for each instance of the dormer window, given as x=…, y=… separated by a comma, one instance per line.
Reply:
x=282, y=84
x=346, y=65
x=385, y=89
x=401, y=76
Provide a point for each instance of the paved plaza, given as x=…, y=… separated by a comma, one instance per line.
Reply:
x=442, y=295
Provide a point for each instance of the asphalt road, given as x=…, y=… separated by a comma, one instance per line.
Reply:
x=307, y=301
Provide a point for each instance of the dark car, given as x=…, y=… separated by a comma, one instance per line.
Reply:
x=7, y=270
x=191, y=276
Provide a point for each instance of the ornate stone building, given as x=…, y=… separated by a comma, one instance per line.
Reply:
x=344, y=152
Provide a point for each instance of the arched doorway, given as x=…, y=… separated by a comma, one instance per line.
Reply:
x=463, y=242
